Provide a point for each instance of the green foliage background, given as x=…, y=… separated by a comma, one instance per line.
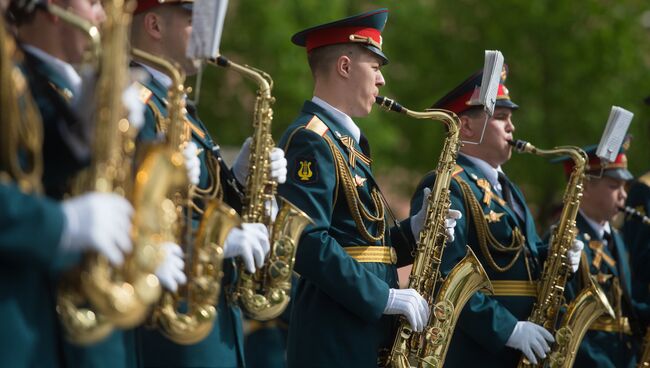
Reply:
x=570, y=61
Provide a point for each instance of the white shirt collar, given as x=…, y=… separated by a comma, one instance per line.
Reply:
x=598, y=228
x=491, y=174
x=159, y=76
x=340, y=116
x=65, y=70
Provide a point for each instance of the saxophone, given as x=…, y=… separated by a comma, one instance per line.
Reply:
x=429, y=348
x=118, y=296
x=21, y=132
x=204, y=269
x=265, y=294
x=591, y=302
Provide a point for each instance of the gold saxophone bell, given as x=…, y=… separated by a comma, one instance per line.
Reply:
x=265, y=294
x=429, y=348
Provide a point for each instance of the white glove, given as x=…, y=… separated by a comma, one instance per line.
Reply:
x=271, y=208
x=98, y=221
x=135, y=107
x=417, y=221
x=170, y=272
x=573, y=254
x=278, y=165
x=192, y=163
x=530, y=338
x=411, y=305
x=276, y=156
x=450, y=223
x=251, y=242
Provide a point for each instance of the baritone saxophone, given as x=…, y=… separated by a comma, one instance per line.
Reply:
x=591, y=302
x=445, y=296
x=265, y=294
x=204, y=268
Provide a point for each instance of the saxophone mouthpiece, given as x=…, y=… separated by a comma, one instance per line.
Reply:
x=519, y=145
x=388, y=104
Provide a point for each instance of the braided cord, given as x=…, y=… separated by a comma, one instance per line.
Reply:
x=486, y=240
x=357, y=209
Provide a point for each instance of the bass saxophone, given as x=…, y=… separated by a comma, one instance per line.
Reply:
x=118, y=296
x=204, y=269
x=265, y=294
x=429, y=348
x=591, y=302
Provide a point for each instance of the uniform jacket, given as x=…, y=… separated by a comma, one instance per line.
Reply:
x=637, y=240
x=600, y=348
x=486, y=322
x=337, y=317
x=31, y=226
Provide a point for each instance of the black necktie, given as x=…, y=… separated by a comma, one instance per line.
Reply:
x=505, y=190
x=365, y=146
x=610, y=243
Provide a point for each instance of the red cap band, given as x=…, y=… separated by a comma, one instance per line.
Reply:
x=332, y=36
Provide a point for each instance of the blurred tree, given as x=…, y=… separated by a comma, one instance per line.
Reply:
x=569, y=63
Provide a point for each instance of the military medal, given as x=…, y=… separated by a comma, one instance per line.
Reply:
x=600, y=255
x=493, y=217
x=359, y=180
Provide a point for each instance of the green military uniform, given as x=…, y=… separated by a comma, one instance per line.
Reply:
x=607, y=343
x=637, y=239
x=500, y=229
x=337, y=317
x=31, y=227
x=53, y=94
x=486, y=322
x=224, y=345
x=29, y=335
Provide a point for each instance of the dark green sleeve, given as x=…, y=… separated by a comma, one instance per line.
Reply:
x=30, y=226
x=483, y=318
x=320, y=258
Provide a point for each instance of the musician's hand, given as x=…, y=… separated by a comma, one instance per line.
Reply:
x=573, y=254
x=411, y=305
x=531, y=339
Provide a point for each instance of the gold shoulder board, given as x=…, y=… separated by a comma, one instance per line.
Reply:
x=317, y=126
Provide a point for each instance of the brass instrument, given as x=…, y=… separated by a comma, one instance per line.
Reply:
x=118, y=296
x=591, y=302
x=429, y=348
x=265, y=294
x=204, y=269
x=634, y=213
x=21, y=131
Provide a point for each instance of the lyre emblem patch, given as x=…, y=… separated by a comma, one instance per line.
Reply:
x=305, y=170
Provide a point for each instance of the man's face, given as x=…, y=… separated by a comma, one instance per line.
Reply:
x=364, y=82
x=75, y=42
x=175, y=36
x=603, y=197
x=494, y=148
